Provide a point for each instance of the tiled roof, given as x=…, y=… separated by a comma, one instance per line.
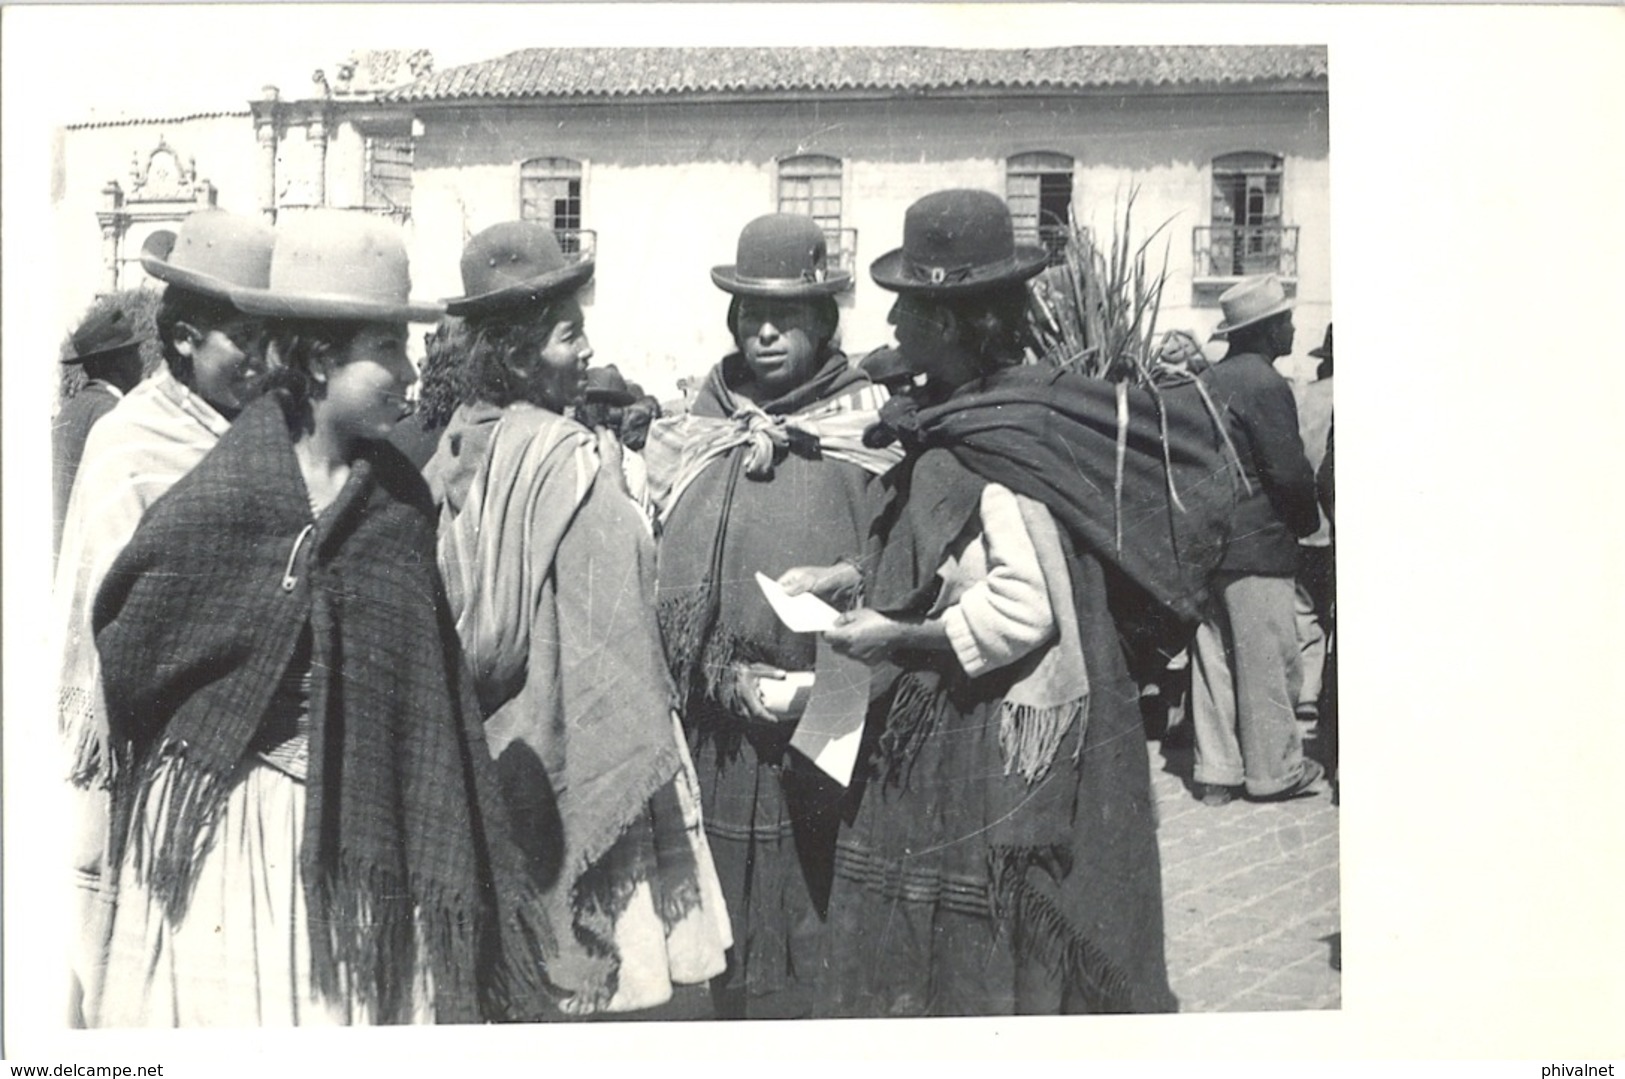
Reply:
x=616, y=72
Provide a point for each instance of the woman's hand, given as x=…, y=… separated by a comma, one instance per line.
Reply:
x=866, y=635
x=828, y=583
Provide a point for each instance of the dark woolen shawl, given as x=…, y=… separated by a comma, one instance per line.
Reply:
x=404, y=827
x=1054, y=436
x=1073, y=868
x=726, y=527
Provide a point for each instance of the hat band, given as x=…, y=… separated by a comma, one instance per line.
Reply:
x=812, y=276
x=953, y=275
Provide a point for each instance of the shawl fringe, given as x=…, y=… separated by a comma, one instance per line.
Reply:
x=1030, y=736
x=87, y=738
x=915, y=711
x=1042, y=933
x=165, y=839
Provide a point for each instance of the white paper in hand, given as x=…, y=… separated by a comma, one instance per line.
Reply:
x=803, y=613
x=832, y=726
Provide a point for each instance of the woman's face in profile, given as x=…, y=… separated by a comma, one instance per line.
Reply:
x=558, y=375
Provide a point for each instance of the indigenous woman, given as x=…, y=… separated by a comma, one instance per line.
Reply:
x=213, y=366
x=314, y=833
x=767, y=470
x=1001, y=854
x=550, y=568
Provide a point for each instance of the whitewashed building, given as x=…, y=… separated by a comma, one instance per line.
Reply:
x=654, y=159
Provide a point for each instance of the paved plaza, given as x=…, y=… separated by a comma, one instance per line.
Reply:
x=1250, y=896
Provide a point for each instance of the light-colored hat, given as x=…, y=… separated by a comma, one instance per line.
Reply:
x=957, y=242
x=514, y=264
x=213, y=252
x=1253, y=300
x=338, y=264
x=781, y=256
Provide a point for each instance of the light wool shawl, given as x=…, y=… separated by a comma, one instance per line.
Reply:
x=550, y=573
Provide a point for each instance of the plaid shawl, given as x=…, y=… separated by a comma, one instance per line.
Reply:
x=550, y=571
x=408, y=858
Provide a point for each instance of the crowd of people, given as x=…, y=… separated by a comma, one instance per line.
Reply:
x=471, y=704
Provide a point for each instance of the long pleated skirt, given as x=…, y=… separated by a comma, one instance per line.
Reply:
x=240, y=956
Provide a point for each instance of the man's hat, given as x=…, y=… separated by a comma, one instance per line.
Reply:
x=213, y=253
x=338, y=264
x=957, y=242
x=1324, y=352
x=781, y=256
x=1252, y=301
x=605, y=385
x=103, y=333
x=515, y=264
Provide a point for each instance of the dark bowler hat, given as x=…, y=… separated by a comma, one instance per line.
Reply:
x=103, y=333
x=514, y=264
x=213, y=252
x=605, y=384
x=781, y=256
x=338, y=265
x=957, y=242
x=1324, y=352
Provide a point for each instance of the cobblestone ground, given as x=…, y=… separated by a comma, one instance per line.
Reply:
x=1250, y=895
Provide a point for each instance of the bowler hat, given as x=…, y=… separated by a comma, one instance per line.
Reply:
x=781, y=256
x=213, y=252
x=1252, y=301
x=1324, y=352
x=103, y=333
x=605, y=384
x=514, y=264
x=338, y=264
x=956, y=242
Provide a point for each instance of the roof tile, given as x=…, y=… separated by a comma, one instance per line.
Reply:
x=615, y=72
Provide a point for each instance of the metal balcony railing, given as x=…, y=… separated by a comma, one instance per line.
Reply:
x=1226, y=251
x=1052, y=238
x=583, y=243
x=842, y=249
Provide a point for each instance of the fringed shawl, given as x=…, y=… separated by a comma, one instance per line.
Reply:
x=749, y=502
x=551, y=578
x=154, y=437
x=407, y=855
x=929, y=505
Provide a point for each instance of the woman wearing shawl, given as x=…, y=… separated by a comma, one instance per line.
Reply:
x=550, y=569
x=313, y=830
x=766, y=471
x=1001, y=854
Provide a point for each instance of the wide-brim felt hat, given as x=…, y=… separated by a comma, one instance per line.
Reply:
x=515, y=264
x=103, y=333
x=781, y=256
x=213, y=253
x=338, y=265
x=1324, y=352
x=958, y=242
x=1251, y=302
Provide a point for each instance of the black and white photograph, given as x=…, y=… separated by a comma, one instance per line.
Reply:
x=601, y=522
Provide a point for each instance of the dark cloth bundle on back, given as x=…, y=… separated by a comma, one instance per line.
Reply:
x=1054, y=436
x=404, y=831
